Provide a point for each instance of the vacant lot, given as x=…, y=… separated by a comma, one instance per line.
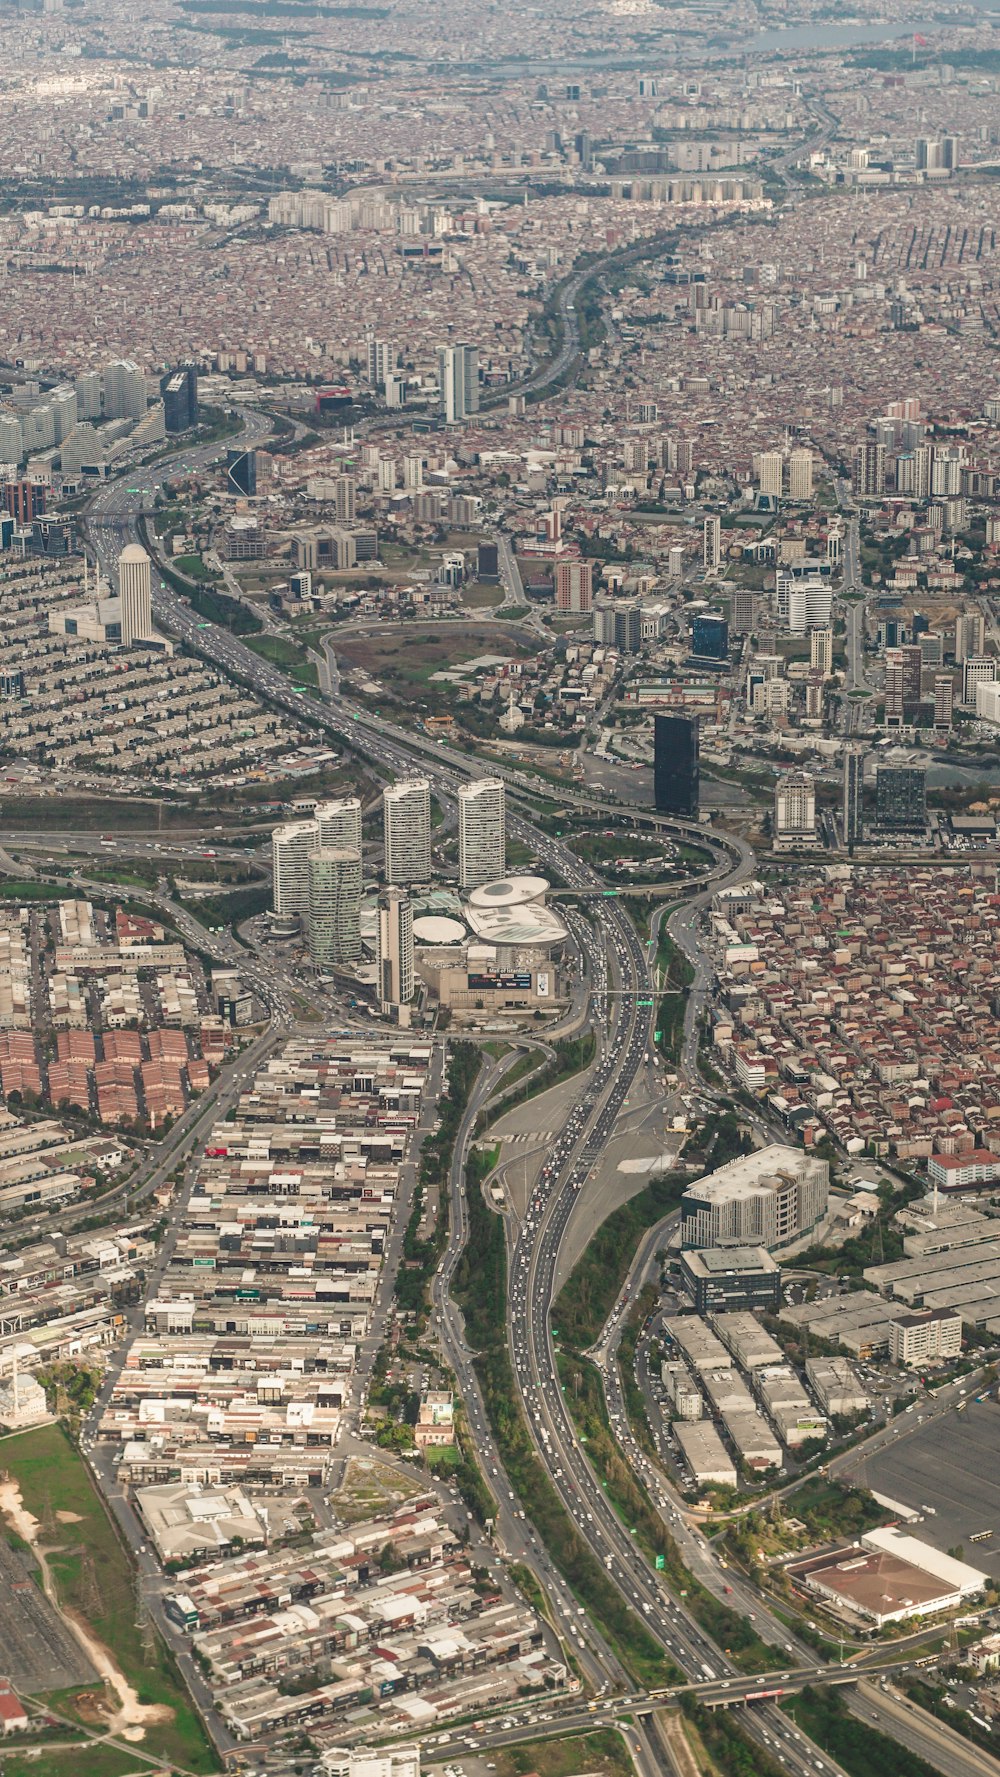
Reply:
x=97, y=1761
x=291, y=659
x=480, y=597
x=601, y=1752
x=404, y=659
x=94, y=1579
x=370, y=1487
x=951, y=1465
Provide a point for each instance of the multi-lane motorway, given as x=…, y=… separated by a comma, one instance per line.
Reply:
x=113, y=521
x=618, y=967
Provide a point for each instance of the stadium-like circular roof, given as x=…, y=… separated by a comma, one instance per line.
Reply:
x=435, y=929
x=509, y=891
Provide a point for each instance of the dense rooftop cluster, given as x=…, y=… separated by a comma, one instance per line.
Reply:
x=869, y=997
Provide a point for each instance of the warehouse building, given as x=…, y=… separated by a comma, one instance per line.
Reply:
x=837, y=1387
x=727, y=1391
x=751, y=1438
x=965, y=1281
x=788, y=1407
x=745, y=1338
x=859, y=1322
x=705, y=1454
x=889, y=1577
x=188, y=1522
x=698, y=1343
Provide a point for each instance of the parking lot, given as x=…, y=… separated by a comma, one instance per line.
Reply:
x=950, y=1464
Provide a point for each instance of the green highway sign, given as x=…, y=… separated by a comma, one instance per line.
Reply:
x=660, y=1564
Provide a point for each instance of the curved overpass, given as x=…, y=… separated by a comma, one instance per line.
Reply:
x=113, y=520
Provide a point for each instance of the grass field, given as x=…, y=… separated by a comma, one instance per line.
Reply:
x=53, y=1479
x=442, y=1457
x=136, y=871
x=479, y=597
x=72, y=1761
x=192, y=566
x=80, y=814
x=405, y=659
x=284, y=654
x=603, y=1751
x=16, y=890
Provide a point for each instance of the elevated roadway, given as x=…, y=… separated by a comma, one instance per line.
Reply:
x=618, y=963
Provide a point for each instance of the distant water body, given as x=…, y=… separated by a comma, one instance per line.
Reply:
x=847, y=36
x=830, y=36
x=766, y=43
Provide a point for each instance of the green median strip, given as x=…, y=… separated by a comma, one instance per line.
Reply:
x=480, y=1289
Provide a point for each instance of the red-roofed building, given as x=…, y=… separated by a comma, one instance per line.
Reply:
x=964, y=1172
x=14, y=1717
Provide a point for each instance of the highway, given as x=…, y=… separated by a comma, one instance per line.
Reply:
x=619, y=976
x=921, y=1733
x=113, y=520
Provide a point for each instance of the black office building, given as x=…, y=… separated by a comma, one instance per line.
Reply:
x=721, y=1280
x=675, y=764
x=488, y=562
x=710, y=637
x=901, y=798
x=180, y=399
x=628, y=629
x=241, y=472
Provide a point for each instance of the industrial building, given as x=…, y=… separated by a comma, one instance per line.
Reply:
x=888, y=1577
x=705, y=1454
x=837, y=1387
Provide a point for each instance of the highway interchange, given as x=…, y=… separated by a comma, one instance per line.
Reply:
x=621, y=997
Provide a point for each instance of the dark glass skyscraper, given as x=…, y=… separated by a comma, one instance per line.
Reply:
x=180, y=399
x=901, y=797
x=710, y=637
x=854, y=796
x=241, y=472
x=675, y=764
